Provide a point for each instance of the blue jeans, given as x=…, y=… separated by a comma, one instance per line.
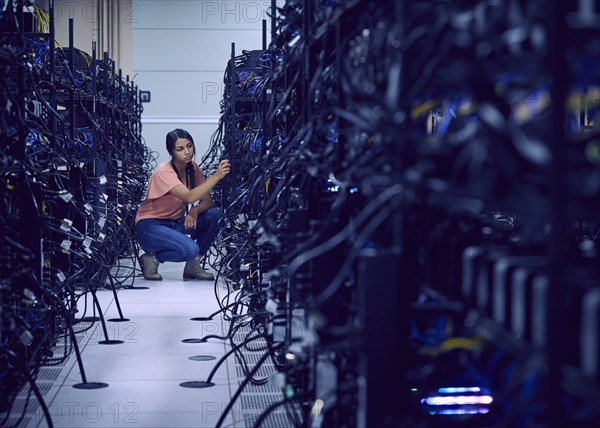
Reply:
x=169, y=240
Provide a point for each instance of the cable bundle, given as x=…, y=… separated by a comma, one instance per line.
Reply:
x=73, y=168
x=423, y=208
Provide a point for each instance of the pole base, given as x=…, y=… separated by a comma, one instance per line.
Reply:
x=193, y=340
x=196, y=384
x=90, y=319
x=202, y=358
x=90, y=385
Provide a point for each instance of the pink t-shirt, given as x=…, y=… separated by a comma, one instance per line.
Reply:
x=159, y=202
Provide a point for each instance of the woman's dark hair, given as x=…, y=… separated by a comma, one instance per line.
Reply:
x=172, y=137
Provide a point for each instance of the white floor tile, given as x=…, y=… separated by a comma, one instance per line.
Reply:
x=142, y=404
x=147, y=368
x=144, y=372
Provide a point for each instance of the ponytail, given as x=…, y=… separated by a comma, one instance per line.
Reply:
x=190, y=176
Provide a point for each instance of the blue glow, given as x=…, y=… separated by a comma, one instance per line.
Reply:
x=478, y=411
x=459, y=389
x=459, y=400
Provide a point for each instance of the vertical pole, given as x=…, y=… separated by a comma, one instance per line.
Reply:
x=106, y=95
x=232, y=146
x=121, y=89
x=94, y=76
x=100, y=24
x=71, y=88
x=112, y=85
x=21, y=84
x=20, y=17
x=558, y=199
x=341, y=143
x=265, y=134
x=113, y=78
x=51, y=53
x=136, y=101
x=109, y=33
x=273, y=20
x=306, y=106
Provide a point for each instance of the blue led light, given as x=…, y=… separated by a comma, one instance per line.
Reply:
x=459, y=389
x=477, y=411
x=457, y=400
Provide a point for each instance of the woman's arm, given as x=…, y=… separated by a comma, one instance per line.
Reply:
x=202, y=190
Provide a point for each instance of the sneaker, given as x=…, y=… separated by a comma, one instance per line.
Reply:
x=193, y=270
x=149, y=266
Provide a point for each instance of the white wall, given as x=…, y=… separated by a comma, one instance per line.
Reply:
x=180, y=52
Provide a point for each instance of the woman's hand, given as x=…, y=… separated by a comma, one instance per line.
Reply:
x=224, y=169
x=190, y=221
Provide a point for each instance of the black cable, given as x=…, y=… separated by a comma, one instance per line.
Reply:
x=267, y=412
x=241, y=388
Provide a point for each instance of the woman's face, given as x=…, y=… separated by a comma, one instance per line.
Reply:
x=183, y=152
